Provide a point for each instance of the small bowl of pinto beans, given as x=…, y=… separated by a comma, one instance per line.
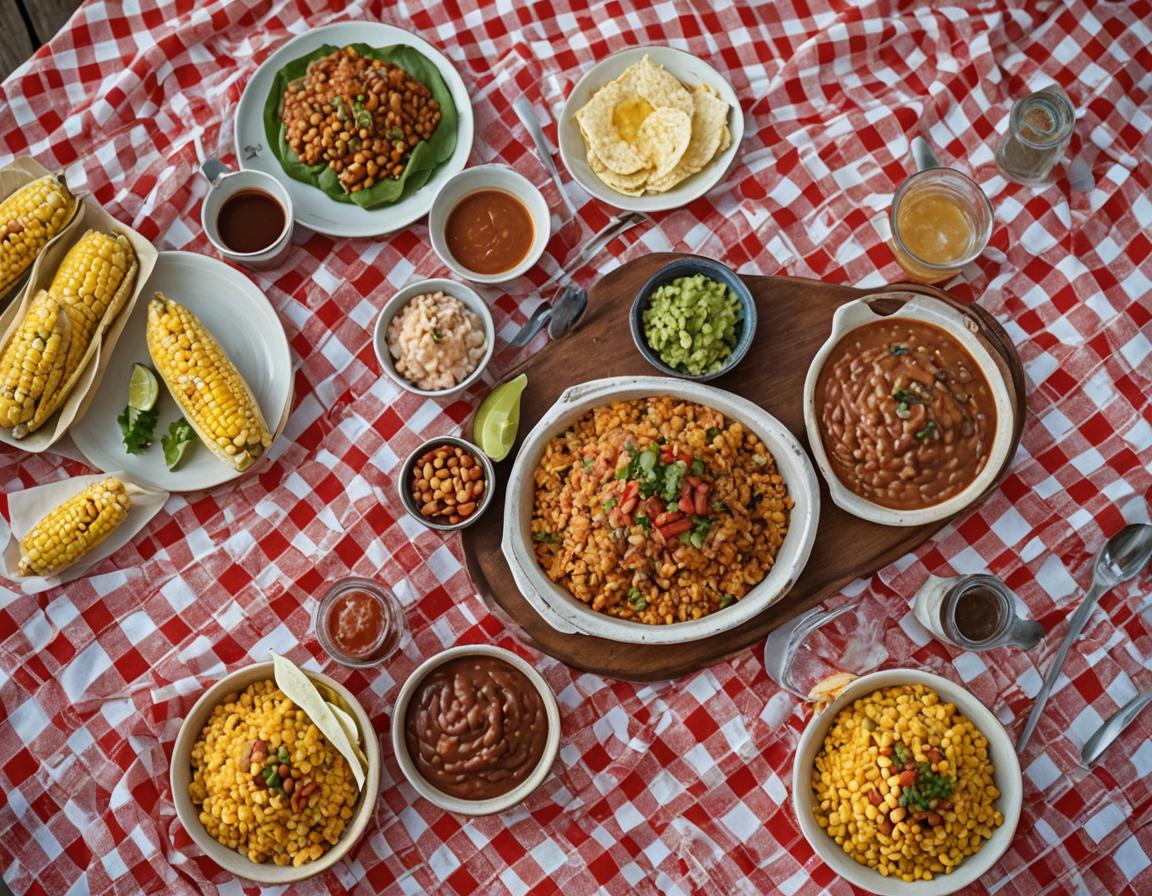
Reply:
x=447, y=483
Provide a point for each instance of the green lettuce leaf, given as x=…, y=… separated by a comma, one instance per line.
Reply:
x=425, y=159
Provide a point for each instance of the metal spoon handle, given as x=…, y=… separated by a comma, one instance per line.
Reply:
x=1104, y=736
x=1075, y=626
x=923, y=155
x=613, y=229
x=528, y=115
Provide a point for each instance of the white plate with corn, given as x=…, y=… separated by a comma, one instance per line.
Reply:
x=221, y=358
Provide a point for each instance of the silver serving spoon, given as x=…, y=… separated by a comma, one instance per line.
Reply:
x=1107, y=733
x=571, y=301
x=1121, y=558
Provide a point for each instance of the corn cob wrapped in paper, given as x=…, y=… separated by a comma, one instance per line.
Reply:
x=72, y=529
x=90, y=287
x=211, y=392
x=29, y=218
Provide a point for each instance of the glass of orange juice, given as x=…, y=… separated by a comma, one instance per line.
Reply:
x=941, y=220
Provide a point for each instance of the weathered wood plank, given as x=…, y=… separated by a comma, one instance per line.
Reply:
x=49, y=16
x=15, y=44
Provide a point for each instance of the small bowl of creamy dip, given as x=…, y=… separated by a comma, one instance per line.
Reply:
x=476, y=730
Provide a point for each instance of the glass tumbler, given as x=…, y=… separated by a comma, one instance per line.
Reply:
x=941, y=220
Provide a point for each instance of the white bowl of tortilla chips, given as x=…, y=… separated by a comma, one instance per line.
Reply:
x=650, y=129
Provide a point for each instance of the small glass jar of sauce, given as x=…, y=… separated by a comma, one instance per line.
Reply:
x=358, y=622
x=975, y=612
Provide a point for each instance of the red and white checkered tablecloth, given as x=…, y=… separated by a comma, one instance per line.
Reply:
x=675, y=788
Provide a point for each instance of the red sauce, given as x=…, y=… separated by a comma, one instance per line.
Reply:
x=357, y=625
x=489, y=231
x=250, y=221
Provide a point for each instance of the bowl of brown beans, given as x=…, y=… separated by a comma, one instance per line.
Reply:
x=906, y=784
x=446, y=483
x=908, y=416
x=476, y=729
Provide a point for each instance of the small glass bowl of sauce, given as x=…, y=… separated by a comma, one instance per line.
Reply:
x=358, y=623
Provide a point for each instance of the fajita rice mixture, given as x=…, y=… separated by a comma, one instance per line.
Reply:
x=658, y=510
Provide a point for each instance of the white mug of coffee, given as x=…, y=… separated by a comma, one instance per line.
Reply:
x=247, y=215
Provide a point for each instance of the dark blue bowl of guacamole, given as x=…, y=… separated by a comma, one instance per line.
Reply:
x=694, y=319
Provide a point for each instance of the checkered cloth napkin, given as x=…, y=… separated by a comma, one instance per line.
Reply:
x=680, y=787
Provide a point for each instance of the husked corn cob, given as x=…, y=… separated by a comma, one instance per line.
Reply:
x=89, y=283
x=71, y=529
x=33, y=362
x=214, y=397
x=29, y=218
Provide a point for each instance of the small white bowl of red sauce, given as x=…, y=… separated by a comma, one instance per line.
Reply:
x=489, y=224
x=358, y=623
x=505, y=729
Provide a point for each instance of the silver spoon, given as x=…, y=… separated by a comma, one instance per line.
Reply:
x=1107, y=733
x=571, y=301
x=527, y=115
x=1121, y=558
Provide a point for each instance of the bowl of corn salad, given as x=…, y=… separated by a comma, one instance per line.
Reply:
x=259, y=788
x=906, y=784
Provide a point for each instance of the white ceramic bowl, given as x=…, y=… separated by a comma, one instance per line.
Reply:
x=180, y=774
x=963, y=329
x=465, y=294
x=566, y=614
x=489, y=177
x=452, y=803
x=1006, y=770
x=690, y=71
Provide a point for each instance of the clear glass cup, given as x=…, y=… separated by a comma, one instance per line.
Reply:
x=339, y=600
x=1039, y=130
x=941, y=220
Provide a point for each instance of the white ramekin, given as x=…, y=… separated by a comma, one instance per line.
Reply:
x=456, y=804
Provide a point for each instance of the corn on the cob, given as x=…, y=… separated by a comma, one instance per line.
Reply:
x=91, y=286
x=72, y=529
x=214, y=397
x=89, y=283
x=29, y=218
x=33, y=363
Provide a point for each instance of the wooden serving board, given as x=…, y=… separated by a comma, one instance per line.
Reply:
x=795, y=317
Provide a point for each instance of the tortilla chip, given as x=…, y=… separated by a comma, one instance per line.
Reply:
x=646, y=131
x=709, y=124
x=628, y=184
x=663, y=138
x=661, y=88
x=600, y=134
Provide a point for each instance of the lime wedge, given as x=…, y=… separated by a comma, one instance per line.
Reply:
x=143, y=389
x=498, y=418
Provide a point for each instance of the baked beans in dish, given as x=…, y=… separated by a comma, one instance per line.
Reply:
x=906, y=416
x=476, y=727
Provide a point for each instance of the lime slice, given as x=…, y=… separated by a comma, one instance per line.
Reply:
x=498, y=418
x=143, y=389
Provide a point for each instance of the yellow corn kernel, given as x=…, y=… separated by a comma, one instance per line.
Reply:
x=33, y=364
